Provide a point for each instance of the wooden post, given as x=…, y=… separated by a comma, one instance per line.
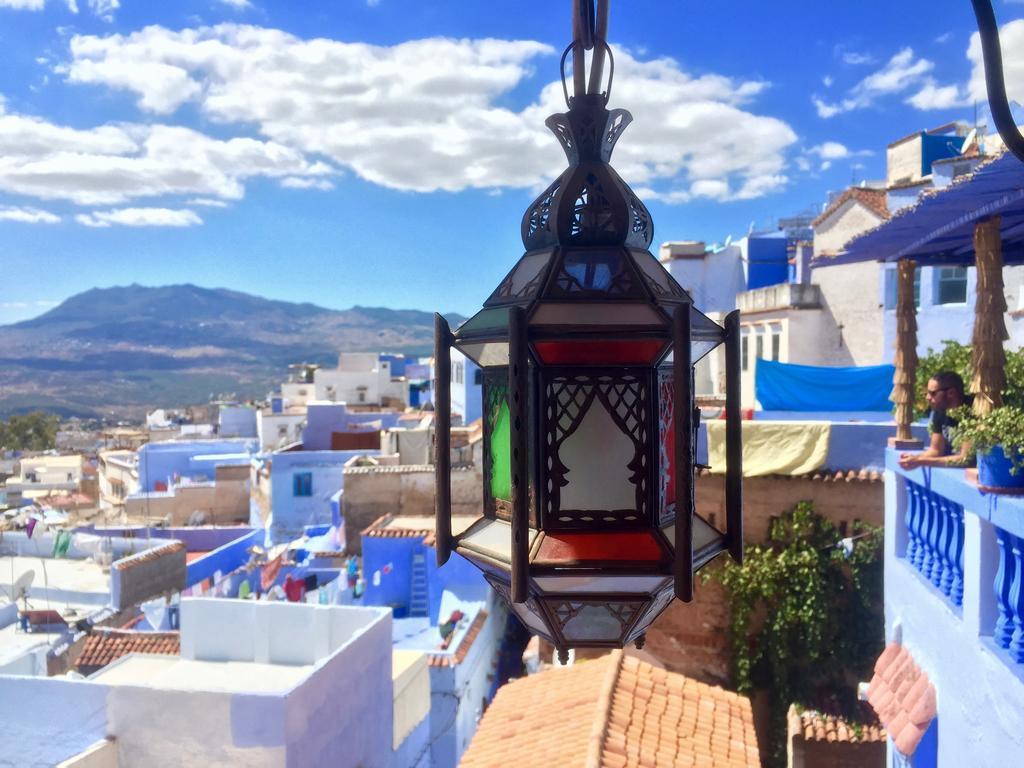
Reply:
x=988, y=358
x=904, y=379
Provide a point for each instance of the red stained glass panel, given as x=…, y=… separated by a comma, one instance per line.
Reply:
x=620, y=546
x=617, y=352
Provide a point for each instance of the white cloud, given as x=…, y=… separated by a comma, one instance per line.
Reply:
x=207, y=202
x=935, y=96
x=297, y=182
x=23, y=5
x=114, y=164
x=424, y=115
x=104, y=8
x=1011, y=37
x=140, y=217
x=27, y=215
x=901, y=72
x=238, y=4
x=827, y=81
x=825, y=165
x=856, y=59
x=945, y=37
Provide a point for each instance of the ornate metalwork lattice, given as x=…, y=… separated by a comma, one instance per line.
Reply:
x=666, y=509
x=640, y=231
x=660, y=603
x=567, y=400
x=559, y=125
x=505, y=292
x=531, y=605
x=618, y=120
x=592, y=212
x=538, y=229
x=565, y=611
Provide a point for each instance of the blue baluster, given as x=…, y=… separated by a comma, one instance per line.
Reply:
x=921, y=527
x=927, y=529
x=935, y=538
x=948, y=545
x=956, y=590
x=911, y=521
x=1001, y=587
x=1016, y=600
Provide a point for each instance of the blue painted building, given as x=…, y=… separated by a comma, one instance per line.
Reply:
x=449, y=612
x=466, y=389
x=161, y=465
x=954, y=601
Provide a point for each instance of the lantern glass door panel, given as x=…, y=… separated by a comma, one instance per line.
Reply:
x=589, y=417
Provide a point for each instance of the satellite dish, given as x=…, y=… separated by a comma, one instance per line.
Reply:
x=21, y=585
x=969, y=139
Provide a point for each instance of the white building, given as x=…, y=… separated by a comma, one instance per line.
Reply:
x=257, y=684
x=360, y=378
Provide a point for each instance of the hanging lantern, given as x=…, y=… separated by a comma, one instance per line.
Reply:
x=587, y=348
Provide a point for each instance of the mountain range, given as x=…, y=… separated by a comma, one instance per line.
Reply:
x=117, y=352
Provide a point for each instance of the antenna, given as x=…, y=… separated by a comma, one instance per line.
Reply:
x=728, y=241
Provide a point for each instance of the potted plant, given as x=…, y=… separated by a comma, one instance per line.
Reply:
x=998, y=438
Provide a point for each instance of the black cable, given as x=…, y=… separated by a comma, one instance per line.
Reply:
x=995, y=84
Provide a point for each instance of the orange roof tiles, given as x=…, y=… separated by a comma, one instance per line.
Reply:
x=450, y=660
x=903, y=697
x=614, y=712
x=381, y=529
x=811, y=725
x=105, y=646
x=150, y=554
x=872, y=199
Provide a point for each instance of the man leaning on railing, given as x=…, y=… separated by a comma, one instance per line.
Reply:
x=945, y=392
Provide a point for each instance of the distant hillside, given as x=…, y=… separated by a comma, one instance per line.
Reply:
x=118, y=351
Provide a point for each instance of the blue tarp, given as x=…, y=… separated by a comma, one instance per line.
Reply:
x=788, y=387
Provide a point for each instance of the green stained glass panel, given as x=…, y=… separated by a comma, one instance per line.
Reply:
x=499, y=428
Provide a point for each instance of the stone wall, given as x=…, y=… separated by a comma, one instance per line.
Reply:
x=371, y=492
x=693, y=638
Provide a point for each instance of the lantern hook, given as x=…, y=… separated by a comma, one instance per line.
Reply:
x=590, y=30
x=995, y=84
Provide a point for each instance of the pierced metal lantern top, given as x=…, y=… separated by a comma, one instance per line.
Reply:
x=588, y=528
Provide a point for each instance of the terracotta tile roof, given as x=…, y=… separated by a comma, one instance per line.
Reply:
x=105, y=646
x=614, y=712
x=902, y=696
x=872, y=199
x=824, y=476
x=380, y=529
x=452, y=659
x=811, y=725
x=150, y=554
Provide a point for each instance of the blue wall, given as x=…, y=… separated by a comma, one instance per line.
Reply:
x=767, y=260
x=158, y=462
x=290, y=513
x=938, y=148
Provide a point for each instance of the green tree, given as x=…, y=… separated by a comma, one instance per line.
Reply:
x=32, y=432
x=806, y=617
x=956, y=357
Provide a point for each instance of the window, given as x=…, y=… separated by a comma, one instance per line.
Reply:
x=776, y=331
x=282, y=431
x=745, y=351
x=759, y=346
x=478, y=377
x=892, y=288
x=456, y=373
x=951, y=285
x=302, y=484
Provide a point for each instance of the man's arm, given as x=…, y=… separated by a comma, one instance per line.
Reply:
x=928, y=459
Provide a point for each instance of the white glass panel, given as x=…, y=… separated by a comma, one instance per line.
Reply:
x=528, y=268
x=597, y=455
x=605, y=313
x=605, y=584
x=594, y=621
x=492, y=538
x=488, y=354
x=656, y=273
x=703, y=534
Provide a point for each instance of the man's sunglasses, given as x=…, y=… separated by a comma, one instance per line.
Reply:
x=934, y=392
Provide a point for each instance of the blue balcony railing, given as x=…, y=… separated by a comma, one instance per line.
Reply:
x=935, y=539
x=967, y=545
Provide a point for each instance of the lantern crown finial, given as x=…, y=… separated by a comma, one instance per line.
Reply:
x=589, y=204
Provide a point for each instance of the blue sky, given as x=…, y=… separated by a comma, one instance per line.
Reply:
x=382, y=153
